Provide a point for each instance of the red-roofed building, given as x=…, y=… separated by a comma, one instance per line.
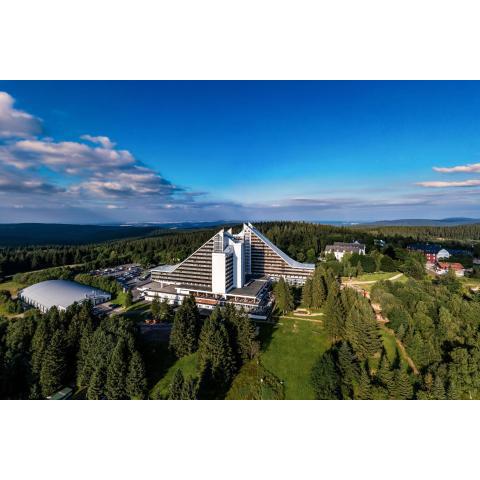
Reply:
x=444, y=267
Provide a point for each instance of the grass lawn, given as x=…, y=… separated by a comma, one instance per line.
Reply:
x=255, y=382
x=139, y=311
x=290, y=349
x=12, y=287
x=468, y=281
x=374, y=277
x=390, y=344
x=187, y=364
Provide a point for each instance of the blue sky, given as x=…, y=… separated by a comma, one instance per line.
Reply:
x=176, y=151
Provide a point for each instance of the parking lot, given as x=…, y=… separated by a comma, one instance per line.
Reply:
x=129, y=276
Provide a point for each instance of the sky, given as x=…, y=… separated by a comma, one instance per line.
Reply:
x=124, y=152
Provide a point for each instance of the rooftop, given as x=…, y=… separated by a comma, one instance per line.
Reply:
x=293, y=263
x=165, y=268
x=60, y=293
x=250, y=290
x=451, y=266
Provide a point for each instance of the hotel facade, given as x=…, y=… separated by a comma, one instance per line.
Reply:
x=229, y=268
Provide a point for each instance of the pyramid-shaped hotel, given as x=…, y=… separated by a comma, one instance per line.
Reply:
x=229, y=268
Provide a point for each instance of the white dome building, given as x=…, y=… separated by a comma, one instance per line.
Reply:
x=61, y=294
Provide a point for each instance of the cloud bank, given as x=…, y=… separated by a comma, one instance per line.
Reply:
x=16, y=123
x=90, y=179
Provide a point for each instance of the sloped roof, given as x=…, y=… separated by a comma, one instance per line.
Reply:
x=293, y=263
x=451, y=266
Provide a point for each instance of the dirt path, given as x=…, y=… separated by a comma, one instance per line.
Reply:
x=401, y=346
x=382, y=320
x=371, y=282
x=303, y=319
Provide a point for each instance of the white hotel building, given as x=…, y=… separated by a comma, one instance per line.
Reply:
x=229, y=268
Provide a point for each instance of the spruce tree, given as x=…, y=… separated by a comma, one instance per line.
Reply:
x=185, y=330
x=385, y=373
x=438, y=389
x=324, y=378
x=155, y=308
x=348, y=367
x=136, y=383
x=364, y=387
x=214, y=351
x=176, y=386
x=190, y=389
x=165, y=311
x=242, y=335
x=128, y=299
x=334, y=319
x=96, y=385
x=53, y=365
x=402, y=386
x=307, y=294
x=319, y=290
x=115, y=387
x=39, y=346
x=361, y=330
x=283, y=296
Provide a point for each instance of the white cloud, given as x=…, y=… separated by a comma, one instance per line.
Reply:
x=135, y=181
x=470, y=168
x=15, y=183
x=438, y=184
x=15, y=123
x=105, y=142
x=73, y=158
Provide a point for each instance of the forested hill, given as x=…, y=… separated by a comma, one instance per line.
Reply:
x=302, y=241
x=465, y=232
x=21, y=234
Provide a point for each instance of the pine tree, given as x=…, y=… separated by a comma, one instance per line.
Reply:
x=402, y=386
x=385, y=373
x=39, y=346
x=361, y=330
x=319, y=290
x=136, y=383
x=324, y=378
x=115, y=387
x=242, y=334
x=176, y=386
x=128, y=299
x=53, y=366
x=307, y=294
x=184, y=334
x=364, y=385
x=214, y=351
x=96, y=386
x=155, y=308
x=165, y=312
x=348, y=368
x=334, y=313
x=438, y=389
x=190, y=389
x=283, y=296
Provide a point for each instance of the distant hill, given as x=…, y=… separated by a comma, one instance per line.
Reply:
x=421, y=222
x=21, y=234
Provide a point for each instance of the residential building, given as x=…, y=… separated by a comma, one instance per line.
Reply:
x=229, y=268
x=432, y=252
x=443, y=267
x=339, y=249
